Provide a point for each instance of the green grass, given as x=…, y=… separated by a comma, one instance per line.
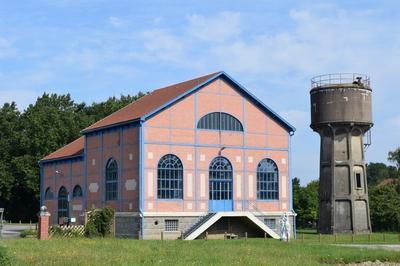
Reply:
x=110, y=251
x=309, y=236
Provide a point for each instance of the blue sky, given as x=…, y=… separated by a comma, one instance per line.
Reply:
x=96, y=49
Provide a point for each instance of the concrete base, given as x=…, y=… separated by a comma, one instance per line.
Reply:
x=128, y=225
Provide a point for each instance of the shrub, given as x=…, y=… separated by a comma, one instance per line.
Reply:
x=99, y=222
x=29, y=233
x=4, y=258
x=56, y=231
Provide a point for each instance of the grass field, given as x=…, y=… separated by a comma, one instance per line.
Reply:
x=110, y=251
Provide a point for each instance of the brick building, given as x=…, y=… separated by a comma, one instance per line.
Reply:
x=201, y=155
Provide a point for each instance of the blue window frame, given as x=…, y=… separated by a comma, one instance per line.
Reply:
x=220, y=179
x=63, y=204
x=77, y=192
x=170, y=177
x=267, y=180
x=111, y=180
x=220, y=121
x=48, y=195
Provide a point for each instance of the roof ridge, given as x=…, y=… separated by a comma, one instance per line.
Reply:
x=150, y=94
x=175, y=84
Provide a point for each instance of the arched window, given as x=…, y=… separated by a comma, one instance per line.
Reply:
x=77, y=192
x=48, y=195
x=267, y=180
x=111, y=180
x=219, y=121
x=170, y=177
x=220, y=179
x=63, y=205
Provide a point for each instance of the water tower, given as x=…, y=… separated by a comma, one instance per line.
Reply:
x=341, y=114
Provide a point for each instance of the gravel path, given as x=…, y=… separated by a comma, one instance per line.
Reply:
x=374, y=246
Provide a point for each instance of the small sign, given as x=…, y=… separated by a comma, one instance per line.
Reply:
x=73, y=220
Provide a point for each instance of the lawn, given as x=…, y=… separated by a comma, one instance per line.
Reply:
x=110, y=251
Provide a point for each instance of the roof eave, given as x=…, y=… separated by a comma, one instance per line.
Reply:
x=59, y=158
x=291, y=129
x=86, y=131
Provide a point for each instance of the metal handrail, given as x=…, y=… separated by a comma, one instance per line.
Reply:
x=340, y=78
x=254, y=209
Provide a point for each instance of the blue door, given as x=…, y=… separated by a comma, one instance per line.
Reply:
x=220, y=185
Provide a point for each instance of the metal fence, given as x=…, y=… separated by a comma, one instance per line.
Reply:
x=340, y=78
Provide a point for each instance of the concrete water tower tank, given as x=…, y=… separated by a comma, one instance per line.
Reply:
x=341, y=115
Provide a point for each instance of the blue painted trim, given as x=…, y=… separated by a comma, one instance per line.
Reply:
x=128, y=122
x=41, y=184
x=196, y=156
x=291, y=186
x=80, y=156
x=85, y=161
x=102, y=178
x=141, y=177
x=244, y=156
x=121, y=158
x=214, y=146
x=289, y=172
x=244, y=91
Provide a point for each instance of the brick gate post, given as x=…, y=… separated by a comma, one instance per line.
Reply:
x=43, y=230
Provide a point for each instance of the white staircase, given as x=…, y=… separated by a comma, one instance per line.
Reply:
x=215, y=217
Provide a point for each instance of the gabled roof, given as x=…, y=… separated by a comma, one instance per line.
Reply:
x=155, y=102
x=159, y=99
x=72, y=149
x=148, y=103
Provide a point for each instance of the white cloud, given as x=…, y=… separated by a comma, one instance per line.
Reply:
x=115, y=21
x=161, y=44
x=23, y=97
x=298, y=118
x=6, y=48
x=219, y=28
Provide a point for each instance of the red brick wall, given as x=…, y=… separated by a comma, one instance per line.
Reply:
x=68, y=174
x=174, y=131
x=121, y=144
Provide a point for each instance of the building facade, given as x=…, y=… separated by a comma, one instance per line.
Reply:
x=204, y=155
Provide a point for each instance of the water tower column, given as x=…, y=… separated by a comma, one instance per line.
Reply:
x=341, y=114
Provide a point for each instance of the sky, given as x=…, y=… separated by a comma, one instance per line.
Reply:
x=96, y=49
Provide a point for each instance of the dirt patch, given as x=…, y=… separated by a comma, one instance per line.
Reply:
x=373, y=263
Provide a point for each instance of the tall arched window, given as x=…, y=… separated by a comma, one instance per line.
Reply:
x=77, y=192
x=220, y=179
x=111, y=180
x=220, y=121
x=170, y=177
x=48, y=195
x=63, y=205
x=267, y=180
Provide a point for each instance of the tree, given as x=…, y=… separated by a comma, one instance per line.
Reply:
x=376, y=172
x=394, y=156
x=305, y=203
x=385, y=207
x=25, y=138
x=9, y=148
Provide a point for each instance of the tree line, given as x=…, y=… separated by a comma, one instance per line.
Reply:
x=384, y=196
x=27, y=136
x=55, y=120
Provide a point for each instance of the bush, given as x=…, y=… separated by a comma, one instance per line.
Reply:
x=29, y=233
x=4, y=258
x=56, y=230
x=99, y=222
